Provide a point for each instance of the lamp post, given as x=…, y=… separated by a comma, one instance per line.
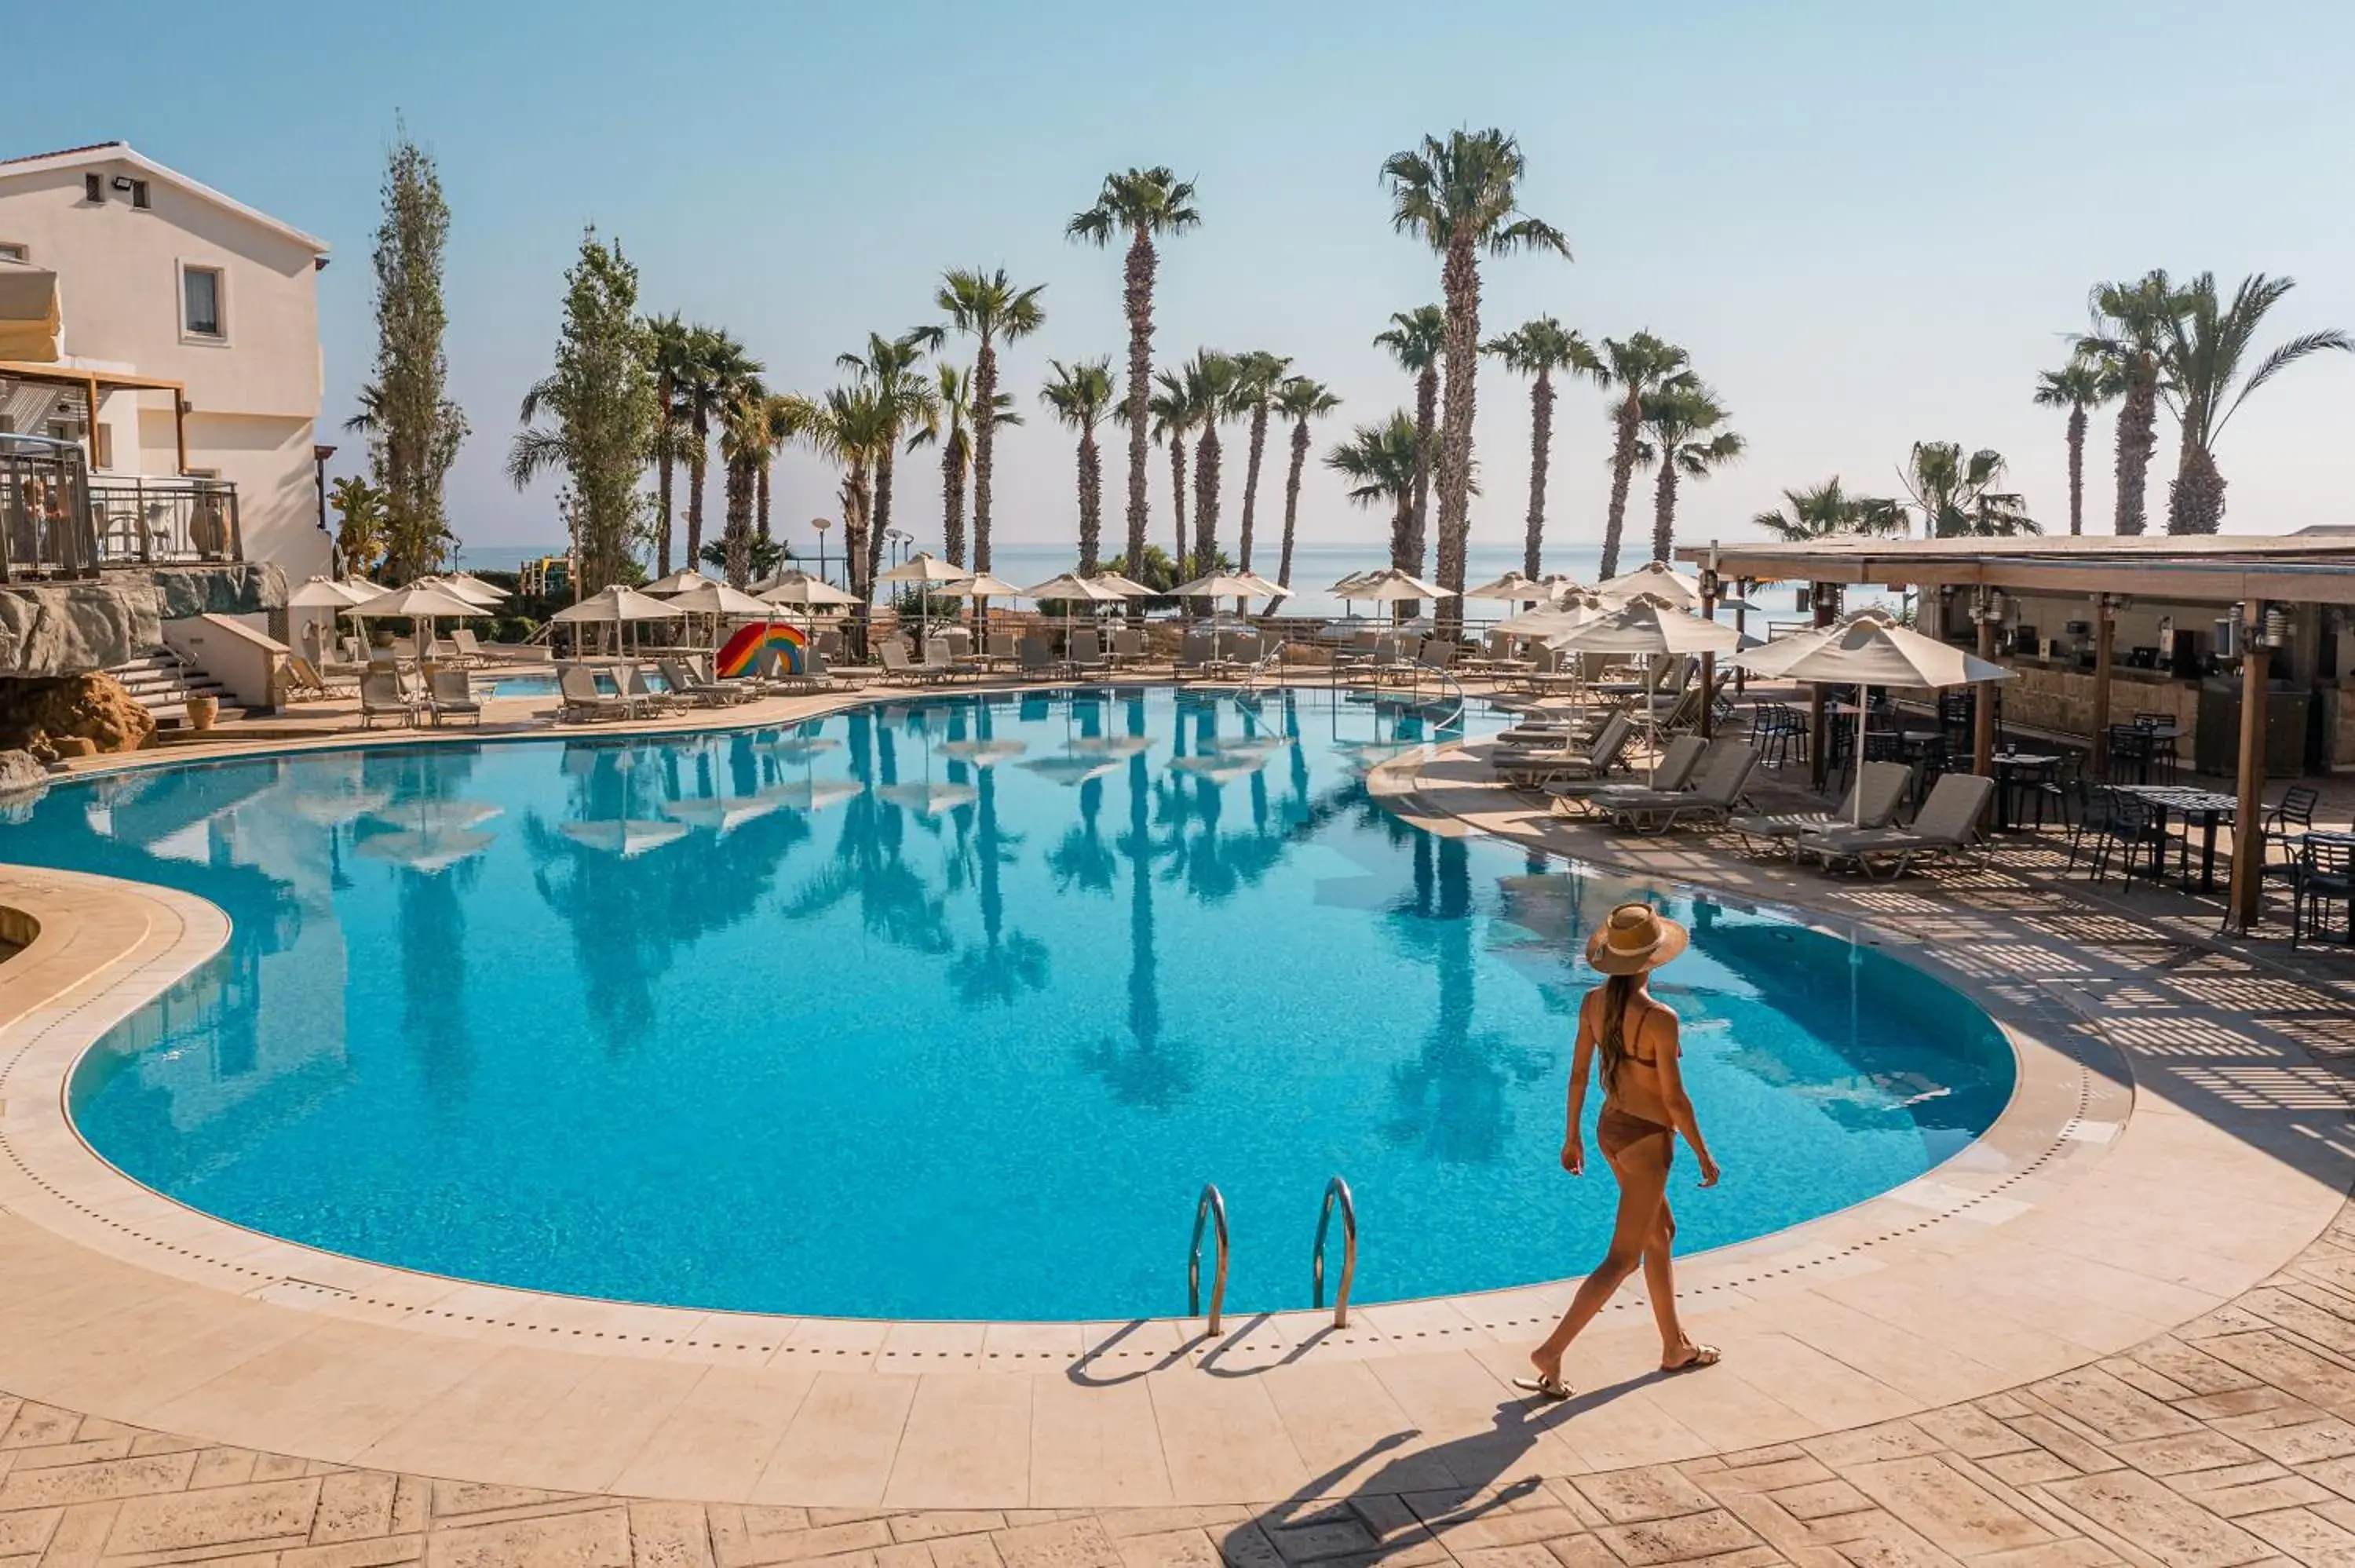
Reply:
x=821, y=524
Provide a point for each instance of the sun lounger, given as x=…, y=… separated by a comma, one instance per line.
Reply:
x=1716, y=791
x=305, y=683
x=1087, y=655
x=469, y=649
x=1128, y=647
x=939, y=662
x=640, y=693
x=450, y=696
x=381, y=697
x=898, y=670
x=1527, y=770
x=686, y=685
x=1674, y=771
x=1198, y=653
x=1037, y=657
x=1873, y=800
x=1948, y=823
x=575, y=689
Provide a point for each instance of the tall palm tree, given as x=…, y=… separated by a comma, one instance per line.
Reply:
x=848, y=426
x=715, y=368
x=745, y=444
x=1379, y=462
x=1538, y=349
x=1299, y=400
x=669, y=340
x=1258, y=374
x=1173, y=418
x=1417, y=339
x=953, y=431
x=1958, y=495
x=990, y=308
x=2131, y=321
x=1637, y=367
x=904, y=401
x=2205, y=343
x=781, y=417
x=1462, y=196
x=2076, y=386
x=1209, y=379
x=1828, y=511
x=1683, y=432
x=1141, y=204
x=1081, y=396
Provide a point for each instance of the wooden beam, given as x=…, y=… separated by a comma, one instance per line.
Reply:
x=2104, y=636
x=1983, y=693
x=1707, y=661
x=1818, y=733
x=180, y=429
x=2248, y=821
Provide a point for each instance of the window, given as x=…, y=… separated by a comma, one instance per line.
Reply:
x=200, y=301
x=102, y=447
x=139, y=194
x=93, y=188
x=14, y=251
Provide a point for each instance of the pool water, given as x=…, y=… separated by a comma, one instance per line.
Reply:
x=945, y=1009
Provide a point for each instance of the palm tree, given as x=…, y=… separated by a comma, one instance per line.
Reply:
x=2076, y=386
x=745, y=445
x=1638, y=368
x=1681, y=431
x=780, y=416
x=2202, y=350
x=954, y=433
x=988, y=307
x=1461, y=196
x=1827, y=511
x=715, y=368
x=1209, y=379
x=1957, y=494
x=1173, y=417
x=905, y=401
x=1141, y=204
x=670, y=340
x=1417, y=339
x=1539, y=349
x=1258, y=374
x=1299, y=400
x=1379, y=461
x=1081, y=396
x=2131, y=321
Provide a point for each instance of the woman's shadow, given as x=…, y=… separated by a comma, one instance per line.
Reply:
x=1415, y=1495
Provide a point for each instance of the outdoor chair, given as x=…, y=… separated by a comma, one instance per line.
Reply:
x=1087, y=655
x=1673, y=772
x=1001, y=649
x=1037, y=661
x=451, y=695
x=1715, y=792
x=898, y=670
x=1128, y=647
x=1948, y=823
x=381, y=697
x=1534, y=769
x=2293, y=813
x=2326, y=875
x=1872, y=801
x=1779, y=731
x=304, y=681
x=1197, y=653
x=469, y=649
x=692, y=688
x=939, y=662
x=641, y=694
x=2135, y=833
x=575, y=689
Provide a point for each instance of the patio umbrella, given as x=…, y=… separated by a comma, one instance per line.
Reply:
x=1126, y=587
x=1395, y=587
x=320, y=593
x=1073, y=588
x=1869, y=651
x=678, y=581
x=618, y=605
x=802, y=588
x=1657, y=579
x=927, y=571
x=1645, y=627
x=469, y=585
x=927, y=799
x=1511, y=589
x=720, y=602
x=426, y=601
x=981, y=587
x=1773, y=659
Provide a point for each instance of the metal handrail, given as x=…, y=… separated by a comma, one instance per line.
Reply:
x=1211, y=1206
x=1336, y=1188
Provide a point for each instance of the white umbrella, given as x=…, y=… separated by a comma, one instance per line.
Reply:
x=1511, y=589
x=1646, y=628
x=469, y=585
x=709, y=598
x=1228, y=585
x=1126, y=587
x=1773, y=659
x=817, y=794
x=359, y=587
x=802, y=589
x=1072, y=770
x=981, y=585
x=618, y=605
x=1552, y=621
x=678, y=581
x=418, y=601
x=1655, y=577
x=1073, y=588
x=927, y=571
x=1870, y=651
x=427, y=850
x=320, y=593
x=1395, y=586
x=722, y=815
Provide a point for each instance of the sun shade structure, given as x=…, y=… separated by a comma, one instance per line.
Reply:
x=1511, y=589
x=803, y=590
x=1075, y=589
x=981, y=585
x=1649, y=629
x=617, y=606
x=1126, y=587
x=418, y=601
x=319, y=593
x=1657, y=578
x=471, y=586
x=678, y=581
x=1773, y=659
x=924, y=567
x=1549, y=622
x=1229, y=585
x=709, y=598
x=1392, y=586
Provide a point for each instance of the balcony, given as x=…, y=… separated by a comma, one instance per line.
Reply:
x=57, y=520
x=156, y=522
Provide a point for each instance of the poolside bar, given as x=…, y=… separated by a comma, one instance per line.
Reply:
x=2243, y=647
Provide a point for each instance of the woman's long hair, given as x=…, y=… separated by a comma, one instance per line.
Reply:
x=1610, y=1038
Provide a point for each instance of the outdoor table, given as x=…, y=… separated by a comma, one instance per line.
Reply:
x=2209, y=807
x=2013, y=769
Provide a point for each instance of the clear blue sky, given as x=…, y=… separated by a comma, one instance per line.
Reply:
x=1870, y=223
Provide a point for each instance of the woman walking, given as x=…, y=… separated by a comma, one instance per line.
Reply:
x=1644, y=1110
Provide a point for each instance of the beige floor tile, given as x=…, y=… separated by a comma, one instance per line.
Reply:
x=838, y=1448
x=1222, y=1438
x=967, y=1443
x=1095, y=1445
x=716, y=1444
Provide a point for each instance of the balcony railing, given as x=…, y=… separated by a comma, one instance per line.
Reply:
x=141, y=520
x=46, y=527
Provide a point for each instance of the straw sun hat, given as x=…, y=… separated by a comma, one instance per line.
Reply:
x=1635, y=938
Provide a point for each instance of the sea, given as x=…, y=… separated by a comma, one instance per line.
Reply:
x=1313, y=568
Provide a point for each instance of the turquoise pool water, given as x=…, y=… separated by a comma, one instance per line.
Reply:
x=945, y=1009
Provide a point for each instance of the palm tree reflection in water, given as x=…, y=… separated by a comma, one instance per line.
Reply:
x=1006, y=964
x=1146, y=1070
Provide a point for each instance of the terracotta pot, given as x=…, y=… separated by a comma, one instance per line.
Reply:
x=202, y=711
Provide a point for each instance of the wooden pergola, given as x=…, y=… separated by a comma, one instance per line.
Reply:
x=95, y=384
x=2251, y=572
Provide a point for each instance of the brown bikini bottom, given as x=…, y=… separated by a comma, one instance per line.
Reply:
x=1618, y=1129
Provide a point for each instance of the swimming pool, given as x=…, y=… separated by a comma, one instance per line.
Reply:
x=944, y=1009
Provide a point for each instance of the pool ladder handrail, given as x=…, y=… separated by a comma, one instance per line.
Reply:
x=1337, y=1191
x=1211, y=1206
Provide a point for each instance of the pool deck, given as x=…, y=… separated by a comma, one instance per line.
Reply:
x=2120, y=1328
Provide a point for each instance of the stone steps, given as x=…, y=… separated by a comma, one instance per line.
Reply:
x=162, y=682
